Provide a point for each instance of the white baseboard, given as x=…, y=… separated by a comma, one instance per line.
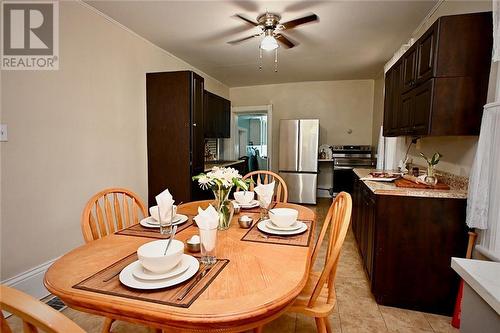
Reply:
x=31, y=281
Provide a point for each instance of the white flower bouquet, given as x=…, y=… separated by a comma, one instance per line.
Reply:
x=221, y=181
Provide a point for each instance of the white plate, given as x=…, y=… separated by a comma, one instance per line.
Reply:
x=273, y=226
x=127, y=277
x=177, y=218
x=252, y=204
x=262, y=226
x=142, y=273
x=149, y=222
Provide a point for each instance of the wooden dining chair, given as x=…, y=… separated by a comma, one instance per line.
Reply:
x=317, y=299
x=33, y=313
x=266, y=177
x=109, y=211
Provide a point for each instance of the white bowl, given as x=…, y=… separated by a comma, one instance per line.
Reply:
x=153, y=211
x=283, y=217
x=151, y=255
x=243, y=197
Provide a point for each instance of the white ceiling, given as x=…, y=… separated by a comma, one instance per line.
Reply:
x=352, y=40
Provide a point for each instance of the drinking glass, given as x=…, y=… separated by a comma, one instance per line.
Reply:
x=208, y=240
x=166, y=225
x=264, y=205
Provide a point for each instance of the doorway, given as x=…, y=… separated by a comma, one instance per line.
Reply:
x=252, y=136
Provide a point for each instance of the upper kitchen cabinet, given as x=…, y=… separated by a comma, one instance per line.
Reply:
x=175, y=133
x=439, y=86
x=217, y=116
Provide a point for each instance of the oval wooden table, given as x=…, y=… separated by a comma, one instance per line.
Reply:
x=257, y=285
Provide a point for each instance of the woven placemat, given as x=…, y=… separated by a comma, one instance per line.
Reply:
x=140, y=231
x=303, y=239
x=107, y=282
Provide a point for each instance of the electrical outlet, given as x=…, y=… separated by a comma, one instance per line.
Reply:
x=3, y=133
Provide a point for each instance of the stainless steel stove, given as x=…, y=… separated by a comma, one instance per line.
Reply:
x=346, y=158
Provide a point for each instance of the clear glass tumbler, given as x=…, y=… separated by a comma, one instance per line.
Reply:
x=264, y=209
x=166, y=224
x=208, y=240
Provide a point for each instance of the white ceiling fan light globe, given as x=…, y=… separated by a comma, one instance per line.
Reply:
x=269, y=43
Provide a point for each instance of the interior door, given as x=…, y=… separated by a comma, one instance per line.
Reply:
x=289, y=145
x=197, y=132
x=308, y=145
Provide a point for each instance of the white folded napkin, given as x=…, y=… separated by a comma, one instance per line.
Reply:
x=265, y=193
x=165, y=201
x=207, y=221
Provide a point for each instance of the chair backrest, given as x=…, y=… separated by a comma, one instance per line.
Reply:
x=34, y=314
x=266, y=177
x=336, y=225
x=109, y=211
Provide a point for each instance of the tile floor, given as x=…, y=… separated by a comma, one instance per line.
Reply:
x=356, y=311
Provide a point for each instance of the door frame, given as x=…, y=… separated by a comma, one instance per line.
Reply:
x=241, y=110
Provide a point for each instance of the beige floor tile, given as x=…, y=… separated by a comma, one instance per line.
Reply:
x=396, y=318
x=349, y=288
x=440, y=324
x=358, y=307
x=354, y=324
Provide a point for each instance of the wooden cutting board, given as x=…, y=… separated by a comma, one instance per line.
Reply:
x=401, y=182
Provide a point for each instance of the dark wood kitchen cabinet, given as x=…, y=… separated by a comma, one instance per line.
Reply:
x=406, y=244
x=217, y=116
x=175, y=134
x=440, y=85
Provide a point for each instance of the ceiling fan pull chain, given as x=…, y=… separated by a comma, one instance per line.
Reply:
x=260, y=58
x=276, y=60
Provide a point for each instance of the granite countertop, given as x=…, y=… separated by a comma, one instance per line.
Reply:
x=482, y=276
x=456, y=191
x=221, y=164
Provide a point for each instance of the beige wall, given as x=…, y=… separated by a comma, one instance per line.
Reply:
x=340, y=106
x=378, y=108
x=74, y=132
x=458, y=152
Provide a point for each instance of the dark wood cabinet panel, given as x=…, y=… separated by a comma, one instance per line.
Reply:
x=426, y=53
x=217, y=116
x=443, y=79
x=174, y=133
x=406, y=244
x=406, y=111
x=410, y=68
x=422, y=108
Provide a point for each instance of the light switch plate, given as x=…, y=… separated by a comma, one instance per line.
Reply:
x=3, y=133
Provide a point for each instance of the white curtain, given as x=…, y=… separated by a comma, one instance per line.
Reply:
x=389, y=152
x=496, y=31
x=483, y=204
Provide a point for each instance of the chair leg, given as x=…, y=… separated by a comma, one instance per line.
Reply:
x=106, y=327
x=259, y=329
x=320, y=325
x=328, y=326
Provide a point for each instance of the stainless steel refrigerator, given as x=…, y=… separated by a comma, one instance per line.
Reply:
x=298, y=158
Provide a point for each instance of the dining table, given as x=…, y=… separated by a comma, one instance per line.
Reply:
x=259, y=279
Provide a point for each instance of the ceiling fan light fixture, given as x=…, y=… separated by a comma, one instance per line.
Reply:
x=269, y=43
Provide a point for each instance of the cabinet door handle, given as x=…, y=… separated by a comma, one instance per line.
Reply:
x=194, y=125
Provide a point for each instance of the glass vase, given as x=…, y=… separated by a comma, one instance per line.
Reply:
x=430, y=178
x=224, y=207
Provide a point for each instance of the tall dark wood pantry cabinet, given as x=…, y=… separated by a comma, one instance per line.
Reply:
x=175, y=133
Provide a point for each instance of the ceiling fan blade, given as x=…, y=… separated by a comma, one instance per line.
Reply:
x=236, y=41
x=303, y=20
x=247, y=20
x=285, y=41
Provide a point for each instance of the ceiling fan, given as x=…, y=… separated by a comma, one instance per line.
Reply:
x=272, y=29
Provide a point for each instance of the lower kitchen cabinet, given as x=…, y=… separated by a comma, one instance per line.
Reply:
x=406, y=244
